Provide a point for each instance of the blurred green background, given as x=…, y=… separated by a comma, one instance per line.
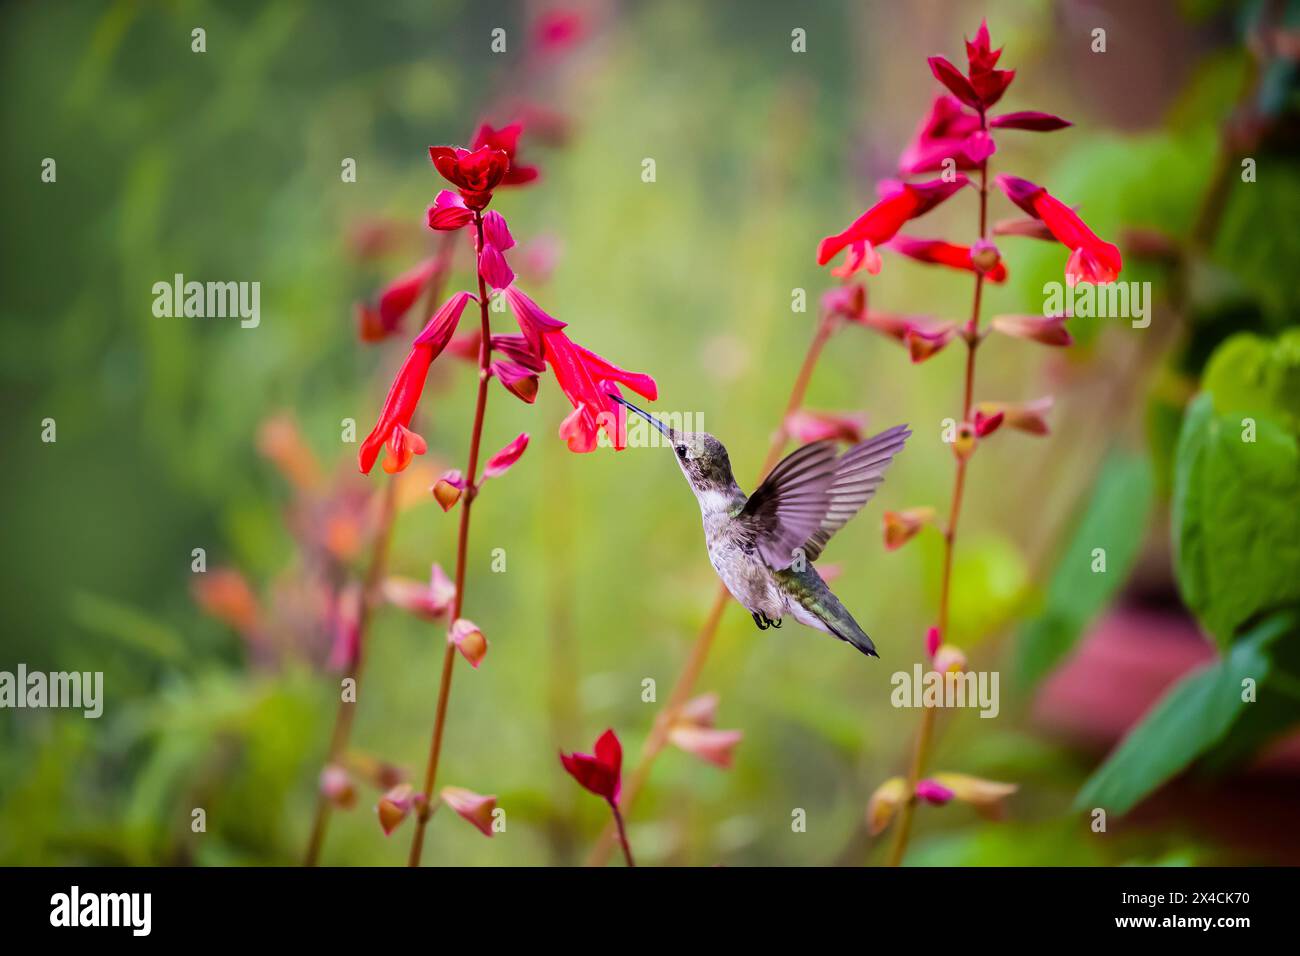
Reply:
x=225, y=165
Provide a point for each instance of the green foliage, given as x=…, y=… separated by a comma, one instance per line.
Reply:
x=1235, y=521
x=1198, y=712
x=1115, y=521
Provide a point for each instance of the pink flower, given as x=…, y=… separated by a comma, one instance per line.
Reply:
x=923, y=343
x=469, y=640
x=336, y=786
x=932, y=640
x=1030, y=417
x=942, y=135
x=949, y=659
x=988, y=797
x=880, y=223
x=477, y=808
x=1091, y=259
x=932, y=793
x=693, y=731
x=492, y=261
x=396, y=805
x=806, y=426
x=986, y=425
x=449, y=212
x=1049, y=330
x=901, y=527
x=500, y=463
x=601, y=772
x=429, y=601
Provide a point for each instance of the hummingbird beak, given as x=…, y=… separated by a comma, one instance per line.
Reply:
x=663, y=429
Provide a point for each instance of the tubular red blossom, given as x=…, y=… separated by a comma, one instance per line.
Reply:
x=882, y=221
x=403, y=445
x=1093, y=259
x=601, y=772
x=587, y=381
x=449, y=212
x=474, y=172
x=404, y=395
x=862, y=255
x=948, y=254
x=500, y=463
x=506, y=139
x=1029, y=417
x=395, y=301
x=1046, y=331
x=940, y=136
x=1030, y=120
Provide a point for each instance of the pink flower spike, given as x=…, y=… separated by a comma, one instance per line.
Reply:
x=469, y=640
x=712, y=746
x=933, y=793
x=1029, y=120
x=500, y=463
x=449, y=212
x=806, y=426
x=932, y=640
x=1046, y=331
x=477, y=808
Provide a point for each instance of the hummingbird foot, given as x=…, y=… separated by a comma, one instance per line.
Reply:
x=777, y=622
x=761, y=620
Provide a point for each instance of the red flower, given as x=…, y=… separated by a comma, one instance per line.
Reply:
x=586, y=379
x=600, y=773
x=882, y=221
x=396, y=299
x=491, y=258
x=805, y=426
x=1046, y=330
x=501, y=462
x=506, y=139
x=942, y=135
x=1092, y=259
x=1030, y=120
x=948, y=254
x=394, y=422
x=474, y=172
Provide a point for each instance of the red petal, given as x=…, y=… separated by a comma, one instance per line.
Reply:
x=956, y=81
x=1030, y=120
x=500, y=463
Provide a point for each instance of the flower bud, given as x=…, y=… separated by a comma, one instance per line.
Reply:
x=336, y=786
x=395, y=805
x=448, y=489
x=985, y=256
x=933, y=792
x=475, y=807
x=883, y=804
x=963, y=445
x=949, y=659
x=932, y=641
x=988, y=797
x=901, y=526
x=469, y=640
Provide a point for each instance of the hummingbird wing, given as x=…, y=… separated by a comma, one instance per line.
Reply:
x=858, y=473
x=790, y=504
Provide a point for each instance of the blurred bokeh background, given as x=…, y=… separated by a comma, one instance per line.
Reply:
x=183, y=433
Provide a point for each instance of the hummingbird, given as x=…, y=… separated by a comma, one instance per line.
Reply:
x=763, y=545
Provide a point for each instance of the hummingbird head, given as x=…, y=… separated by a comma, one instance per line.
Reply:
x=702, y=458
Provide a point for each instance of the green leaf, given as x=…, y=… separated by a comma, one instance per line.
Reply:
x=1114, y=521
x=1189, y=719
x=1236, y=524
x=1253, y=376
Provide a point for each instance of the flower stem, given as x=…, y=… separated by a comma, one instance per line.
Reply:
x=925, y=735
x=622, y=834
x=370, y=597
x=690, y=673
x=462, y=552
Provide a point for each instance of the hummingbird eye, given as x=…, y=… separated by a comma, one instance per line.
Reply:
x=681, y=451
